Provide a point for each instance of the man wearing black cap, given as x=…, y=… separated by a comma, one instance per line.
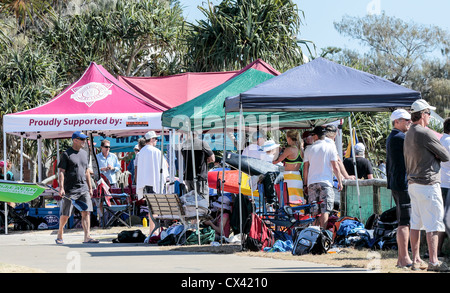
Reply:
x=75, y=183
x=320, y=162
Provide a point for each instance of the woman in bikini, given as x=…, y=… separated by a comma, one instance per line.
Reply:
x=292, y=158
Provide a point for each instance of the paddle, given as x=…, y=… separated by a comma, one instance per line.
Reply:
x=78, y=204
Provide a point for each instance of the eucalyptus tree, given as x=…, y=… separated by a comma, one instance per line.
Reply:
x=402, y=52
x=395, y=47
x=237, y=32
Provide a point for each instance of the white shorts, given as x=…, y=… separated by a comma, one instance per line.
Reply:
x=427, y=208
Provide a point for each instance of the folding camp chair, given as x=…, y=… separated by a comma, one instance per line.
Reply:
x=285, y=217
x=119, y=205
x=17, y=217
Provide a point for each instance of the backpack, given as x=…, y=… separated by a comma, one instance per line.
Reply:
x=312, y=239
x=386, y=223
x=132, y=236
x=256, y=234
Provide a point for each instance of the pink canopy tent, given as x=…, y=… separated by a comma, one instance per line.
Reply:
x=96, y=102
x=166, y=92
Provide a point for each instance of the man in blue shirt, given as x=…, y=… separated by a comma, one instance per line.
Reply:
x=397, y=181
x=108, y=163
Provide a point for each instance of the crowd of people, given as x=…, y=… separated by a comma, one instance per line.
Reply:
x=417, y=173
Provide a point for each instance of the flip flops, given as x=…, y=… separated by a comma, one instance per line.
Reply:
x=91, y=241
x=59, y=241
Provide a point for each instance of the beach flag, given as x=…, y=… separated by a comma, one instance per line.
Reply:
x=348, y=152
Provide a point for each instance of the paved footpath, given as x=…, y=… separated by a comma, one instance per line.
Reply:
x=38, y=250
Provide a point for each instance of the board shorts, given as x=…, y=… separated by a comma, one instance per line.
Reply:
x=66, y=204
x=324, y=193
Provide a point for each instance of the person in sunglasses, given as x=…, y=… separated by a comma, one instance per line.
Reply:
x=74, y=183
x=423, y=155
x=397, y=182
x=108, y=162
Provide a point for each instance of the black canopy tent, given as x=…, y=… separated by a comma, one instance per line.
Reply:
x=323, y=85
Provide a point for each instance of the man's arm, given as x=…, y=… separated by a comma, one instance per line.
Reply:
x=439, y=151
x=88, y=181
x=337, y=173
x=305, y=174
x=211, y=159
x=62, y=192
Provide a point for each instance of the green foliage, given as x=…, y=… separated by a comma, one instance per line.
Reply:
x=236, y=33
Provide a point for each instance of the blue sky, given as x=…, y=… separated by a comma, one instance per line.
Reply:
x=321, y=14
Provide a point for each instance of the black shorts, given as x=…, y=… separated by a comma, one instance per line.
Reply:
x=403, y=203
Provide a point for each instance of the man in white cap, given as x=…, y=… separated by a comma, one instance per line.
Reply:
x=398, y=183
x=423, y=154
x=148, y=167
x=363, y=166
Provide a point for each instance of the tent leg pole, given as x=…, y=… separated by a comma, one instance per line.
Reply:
x=6, y=178
x=195, y=182
x=39, y=159
x=21, y=158
x=222, y=190
x=161, y=179
x=240, y=175
x=180, y=160
x=354, y=165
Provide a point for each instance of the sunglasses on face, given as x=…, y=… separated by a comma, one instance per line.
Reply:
x=428, y=113
x=106, y=146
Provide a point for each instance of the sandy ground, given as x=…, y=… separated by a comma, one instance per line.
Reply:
x=379, y=261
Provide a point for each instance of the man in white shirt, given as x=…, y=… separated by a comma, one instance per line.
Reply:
x=108, y=162
x=148, y=167
x=320, y=161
